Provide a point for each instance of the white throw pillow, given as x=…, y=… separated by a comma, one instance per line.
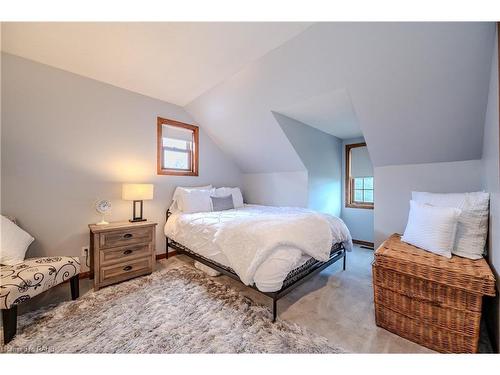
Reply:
x=472, y=228
x=194, y=201
x=182, y=189
x=432, y=228
x=14, y=242
x=235, y=192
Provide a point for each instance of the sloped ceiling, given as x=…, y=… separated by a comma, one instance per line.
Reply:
x=331, y=112
x=418, y=91
x=174, y=62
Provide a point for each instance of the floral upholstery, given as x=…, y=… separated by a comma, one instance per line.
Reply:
x=25, y=280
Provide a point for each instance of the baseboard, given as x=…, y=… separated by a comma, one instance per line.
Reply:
x=370, y=245
x=163, y=256
x=86, y=274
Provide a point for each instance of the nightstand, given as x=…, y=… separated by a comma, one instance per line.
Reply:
x=121, y=251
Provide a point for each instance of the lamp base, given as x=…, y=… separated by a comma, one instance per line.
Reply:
x=135, y=217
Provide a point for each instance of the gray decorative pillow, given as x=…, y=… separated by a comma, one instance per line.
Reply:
x=222, y=203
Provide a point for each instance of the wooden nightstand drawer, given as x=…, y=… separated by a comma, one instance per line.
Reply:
x=125, y=237
x=124, y=254
x=126, y=270
x=121, y=251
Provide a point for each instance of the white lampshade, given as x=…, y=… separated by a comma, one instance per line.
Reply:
x=137, y=192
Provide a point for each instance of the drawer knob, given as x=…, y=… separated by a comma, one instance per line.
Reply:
x=128, y=235
x=128, y=268
x=127, y=252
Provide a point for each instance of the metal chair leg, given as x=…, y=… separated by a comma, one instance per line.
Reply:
x=9, y=320
x=275, y=309
x=75, y=286
x=344, y=260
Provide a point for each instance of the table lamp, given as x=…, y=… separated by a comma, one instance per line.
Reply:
x=137, y=193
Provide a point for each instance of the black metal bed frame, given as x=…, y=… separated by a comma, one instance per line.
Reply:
x=295, y=278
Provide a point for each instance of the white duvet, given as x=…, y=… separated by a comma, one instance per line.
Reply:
x=262, y=244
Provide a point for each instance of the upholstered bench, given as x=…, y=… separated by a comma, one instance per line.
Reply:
x=22, y=281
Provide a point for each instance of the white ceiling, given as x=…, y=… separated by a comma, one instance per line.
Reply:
x=174, y=62
x=419, y=92
x=331, y=112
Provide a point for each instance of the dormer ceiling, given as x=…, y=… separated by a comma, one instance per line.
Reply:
x=331, y=112
x=416, y=91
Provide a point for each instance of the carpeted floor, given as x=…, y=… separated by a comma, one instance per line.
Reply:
x=172, y=311
x=335, y=304
x=338, y=305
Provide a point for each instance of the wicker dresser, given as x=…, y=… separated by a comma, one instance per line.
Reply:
x=431, y=300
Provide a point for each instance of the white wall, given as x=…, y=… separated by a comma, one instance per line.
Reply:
x=318, y=187
x=491, y=184
x=394, y=184
x=321, y=154
x=276, y=189
x=68, y=140
x=358, y=220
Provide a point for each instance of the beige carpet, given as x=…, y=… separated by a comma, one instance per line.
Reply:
x=172, y=311
x=336, y=304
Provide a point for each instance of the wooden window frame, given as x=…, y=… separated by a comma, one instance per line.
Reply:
x=194, y=154
x=349, y=181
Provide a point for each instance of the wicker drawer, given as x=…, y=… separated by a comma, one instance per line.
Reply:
x=126, y=270
x=461, y=321
x=441, y=340
x=124, y=254
x=125, y=237
x=425, y=290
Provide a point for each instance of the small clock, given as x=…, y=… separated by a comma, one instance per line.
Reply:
x=103, y=207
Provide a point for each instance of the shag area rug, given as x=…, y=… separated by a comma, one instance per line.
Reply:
x=171, y=311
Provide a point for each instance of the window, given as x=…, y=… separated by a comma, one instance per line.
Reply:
x=359, y=177
x=363, y=190
x=177, y=152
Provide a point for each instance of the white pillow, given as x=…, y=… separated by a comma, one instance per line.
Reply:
x=182, y=189
x=235, y=192
x=472, y=228
x=194, y=201
x=14, y=242
x=431, y=228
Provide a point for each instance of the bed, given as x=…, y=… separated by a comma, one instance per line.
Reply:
x=282, y=268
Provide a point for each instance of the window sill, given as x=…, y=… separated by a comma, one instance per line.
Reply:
x=170, y=172
x=360, y=205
